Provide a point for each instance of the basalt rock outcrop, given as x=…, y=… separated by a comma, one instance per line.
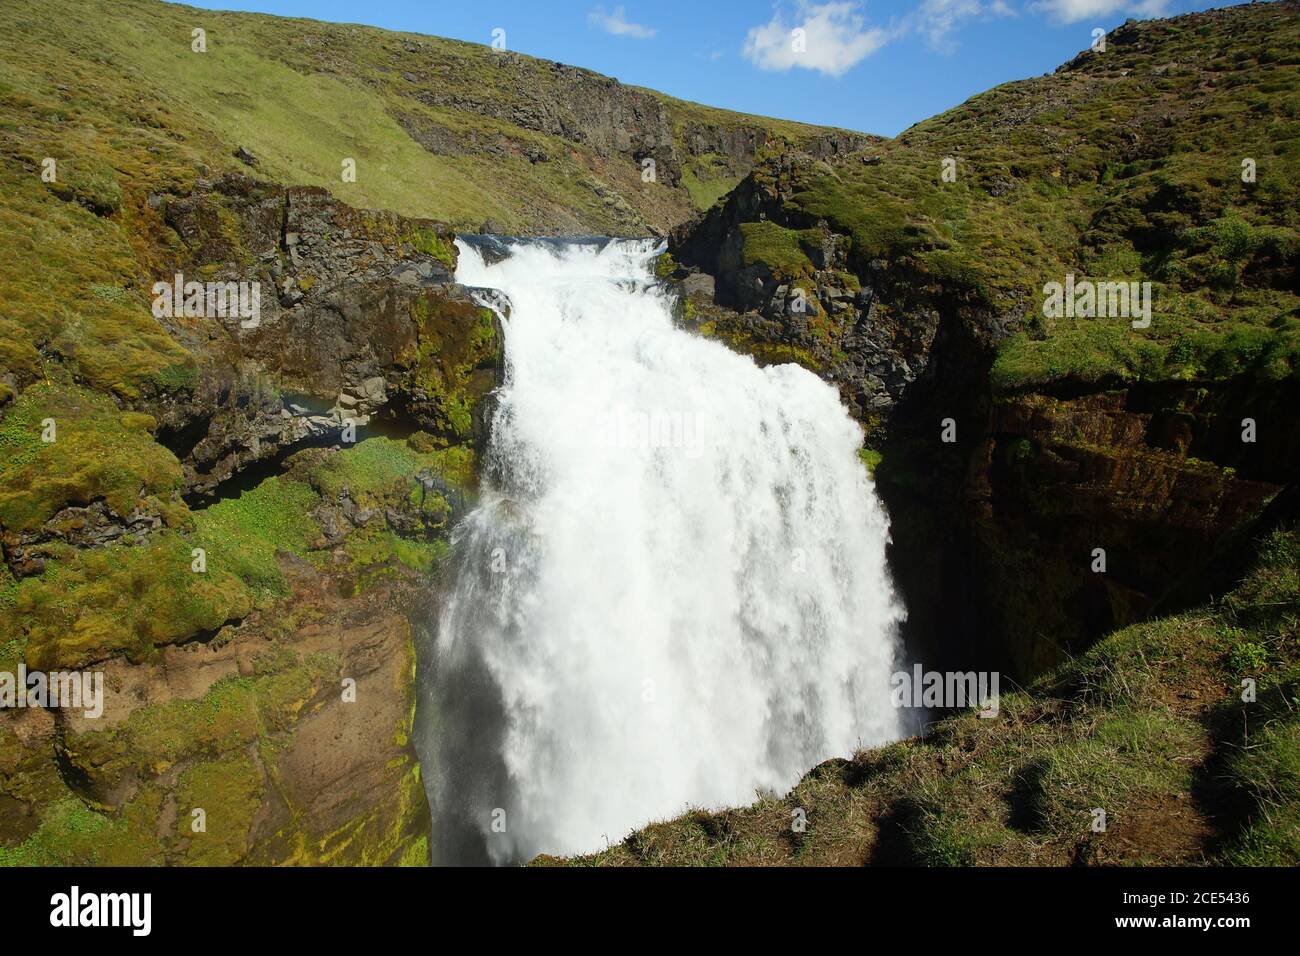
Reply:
x=240, y=556
x=586, y=108
x=358, y=315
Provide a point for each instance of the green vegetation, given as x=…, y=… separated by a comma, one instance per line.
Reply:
x=382, y=470
x=229, y=751
x=415, y=113
x=781, y=250
x=1263, y=765
x=1149, y=726
x=69, y=831
x=242, y=535
x=1124, y=166
x=95, y=452
x=380, y=474
x=125, y=599
x=455, y=361
x=209, y=738
x=707, y=179
x=430, y=242
x=763, y=351
x=89, y=605
x=1269, y=773
x=871, y=458
x=665, y=265
x=58, y=263
x=113, y=94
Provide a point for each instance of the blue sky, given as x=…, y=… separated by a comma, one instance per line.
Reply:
x=876, y=65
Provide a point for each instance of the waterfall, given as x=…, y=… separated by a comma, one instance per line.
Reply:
x=672, y=592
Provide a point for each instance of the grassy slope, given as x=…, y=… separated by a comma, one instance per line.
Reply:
x=1148, y=725
x=303, y=95
x=1122, y=165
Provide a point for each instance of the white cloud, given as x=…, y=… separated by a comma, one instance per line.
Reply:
x=938, y=19
x=617, y=24
x=834, y=39
x=1072, y=11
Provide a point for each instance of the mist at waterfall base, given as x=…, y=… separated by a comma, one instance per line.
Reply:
x=672, y=592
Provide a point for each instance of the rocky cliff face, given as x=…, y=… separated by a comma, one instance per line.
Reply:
x=595, y=111
x=1087, y=513
x=1013, y=445
x=282, y=742
x=239, y=554
x=359, y=313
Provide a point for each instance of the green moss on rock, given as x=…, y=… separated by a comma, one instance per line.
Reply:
x=124, y=599
x=455, y=365
x=241, y=536
x=782, y=250
x=98, y=452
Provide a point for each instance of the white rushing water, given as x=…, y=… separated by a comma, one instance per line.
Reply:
x=673, y=591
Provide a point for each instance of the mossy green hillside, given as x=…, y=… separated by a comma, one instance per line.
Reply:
x=707, y=178
x=1127, y=165
x=416, y=114
x=784, y=251
x=242, y=536
x=380, y=471
x=98, y=603
x=219, y=751
x=106, y=112
x=92, y=604
x=381, y=475
x=72, y=281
